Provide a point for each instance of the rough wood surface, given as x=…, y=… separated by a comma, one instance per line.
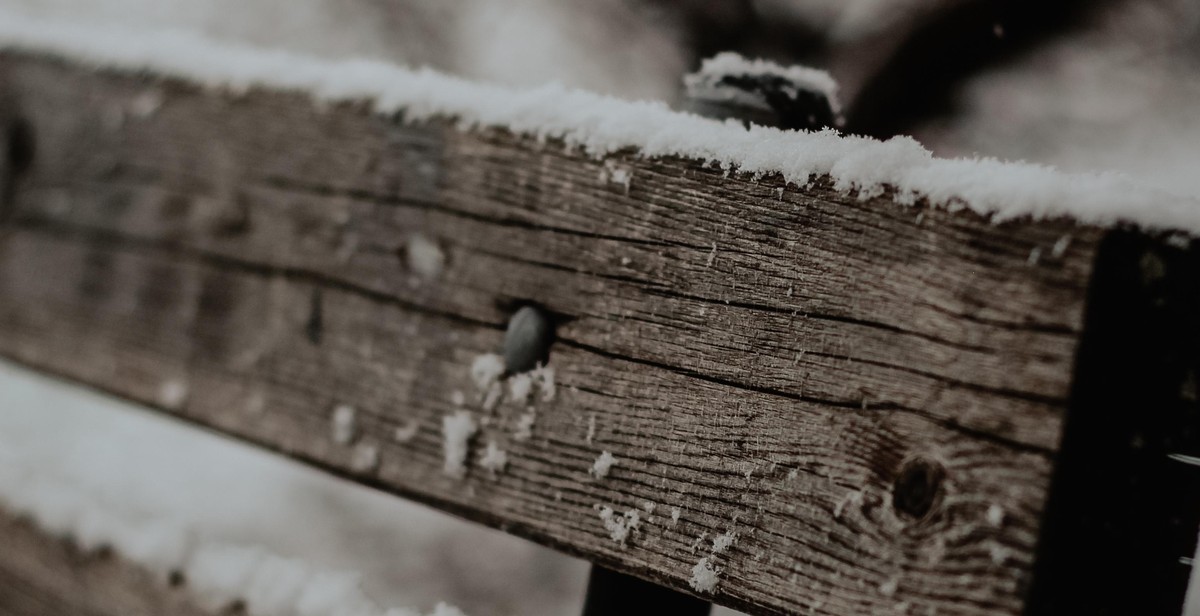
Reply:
x=796, y=367
x=45, y=576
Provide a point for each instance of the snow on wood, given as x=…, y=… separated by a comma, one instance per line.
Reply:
x=344, y=424
x=604, y=462
x=729, y=63
x=217, y=573
x=486, y=369
x=602, y=125
x=705, y=576
x=493, y=459
x=457, y=429
x=619, y=527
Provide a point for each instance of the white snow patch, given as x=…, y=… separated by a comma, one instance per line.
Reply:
x=705, y=576
x=519, y=387
x=601, y=125
x=457, y=429
x=889, y=587
x=675, y=513
x=591, y=429
x=344, y=424
x=493, y=459
x=620, y=527
x=486, y=370
x=723, y=542
x=423, y=256
x=602, y=465
x=457, y=398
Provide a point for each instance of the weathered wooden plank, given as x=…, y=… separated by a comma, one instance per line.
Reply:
x=791, y=366
x=45, y=576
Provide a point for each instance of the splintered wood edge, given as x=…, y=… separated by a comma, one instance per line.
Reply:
x=864, y=398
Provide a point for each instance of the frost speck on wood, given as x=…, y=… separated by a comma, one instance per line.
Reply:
x=457, y=430
x=172, y=394
x=486, y=370
x=345, y=425
x=620, y=527
x=705, y=576
x=602, y=465
x=493, y=459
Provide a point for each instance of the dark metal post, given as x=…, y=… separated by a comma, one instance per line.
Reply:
x=1123, y=513
x=610, y=593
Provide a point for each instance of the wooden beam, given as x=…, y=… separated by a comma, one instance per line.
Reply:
x=865, y=398
x=45, y=576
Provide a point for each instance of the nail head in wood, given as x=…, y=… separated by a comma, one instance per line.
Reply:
x=527, y=341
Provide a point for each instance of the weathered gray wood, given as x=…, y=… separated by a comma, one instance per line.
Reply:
x=766, y=360
x=45, y=576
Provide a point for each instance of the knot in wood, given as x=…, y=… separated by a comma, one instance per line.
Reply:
x=917, y=488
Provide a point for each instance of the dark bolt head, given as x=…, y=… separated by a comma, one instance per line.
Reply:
x=527, y=341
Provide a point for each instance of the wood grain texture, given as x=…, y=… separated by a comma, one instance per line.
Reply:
x=45, y=576
x=765, y=359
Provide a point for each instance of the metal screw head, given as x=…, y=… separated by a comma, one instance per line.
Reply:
x=527, y=341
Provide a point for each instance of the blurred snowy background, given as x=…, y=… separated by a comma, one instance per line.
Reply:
x=1099, y=85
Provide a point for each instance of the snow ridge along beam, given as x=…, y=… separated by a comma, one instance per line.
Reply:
x=813, y=403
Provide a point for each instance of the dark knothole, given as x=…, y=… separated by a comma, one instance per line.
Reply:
x=918, y=487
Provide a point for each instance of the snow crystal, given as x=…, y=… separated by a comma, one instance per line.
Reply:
x=520, y=386
x=675, y=513
x=365, y=458
x=407, y=431
x=723, y=542
x=648, y=507
x=601, y=125
x=602, y=465
x=457, y=398
x=493, y=459
x=704, y=576
x=525, y=423
x=423, y=256
x=620, y=527
x=995, y=515
x=345, y=426
x=591, y=429
x=486, y=369
x=457, y=429
x=889, y=587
